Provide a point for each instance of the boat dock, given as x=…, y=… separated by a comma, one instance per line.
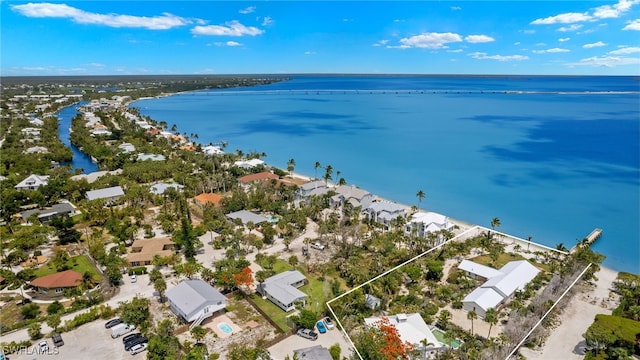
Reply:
x=590, y=239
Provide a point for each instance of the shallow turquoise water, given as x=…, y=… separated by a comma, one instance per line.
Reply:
x=553, y=158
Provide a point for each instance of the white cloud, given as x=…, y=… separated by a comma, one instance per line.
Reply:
x=632, y=25
x=267, y=21
x=309, y=52
x=49, y=10
x=541, y=44
x=593, y=45
x=231, y=28
x=516, y=43
x=455, y=51
x=381, y=43
x=247, y=10
x=625, y=50
x=528, y=32
x=572, y=27
x=429, y=40
x=478, y=39
x=456, y=8
x=607, y=61
x=227, y=43
x=614, y=11
x=551, y=51
x=233, y=43
x=564, y=39
x=567, y=18
x=484, y=56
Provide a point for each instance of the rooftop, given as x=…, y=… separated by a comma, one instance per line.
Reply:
x=64, y=279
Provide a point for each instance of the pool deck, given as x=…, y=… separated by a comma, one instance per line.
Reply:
x=212, y=323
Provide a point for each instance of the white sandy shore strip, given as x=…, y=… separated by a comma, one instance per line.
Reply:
x=567, y=340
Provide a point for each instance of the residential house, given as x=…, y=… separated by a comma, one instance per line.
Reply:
x=53, y=285
x=152, y=157
x=247, y=216
x=351, y=194
x=36, y=150
x=311, y=188
x=249, y=164
x=424, y=223
x=477, y=271
x=384, y=212
x=212, y=150
x=500, y=287
x=127, y=148
x=160, y=188
x=109, y=195
x=45, y=215
x=205, y=199
x=195, y=300
x=372, y=302
x=29, y=131
x=36, y=122
x=413, y=330
x=247, y=180
x=33, y=182
x=100, y=131
x=317, y=352
x=282, y=289
x=143, y=250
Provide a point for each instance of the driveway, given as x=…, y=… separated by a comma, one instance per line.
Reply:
x=294, y=342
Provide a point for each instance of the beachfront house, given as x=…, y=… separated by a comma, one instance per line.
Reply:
x=248, y=164
x=109, y=195
x=384, y=212
x=424, y=223
x=33, y=182
x=351, y=194
x=413, y=330
x=195, y=300
x=282, y=289
x=246, y=181
x=500, y=287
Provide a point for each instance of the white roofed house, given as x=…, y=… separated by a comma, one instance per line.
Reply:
x=109, y=195
x=195, y=300
x=422, y=224
x=33, y=182
x=248, y=164
x=356, y=196
x=282, y=289
x=384, y=212
x=247, y=216
x=127, y=147
x=501, y=284
x=412, y=329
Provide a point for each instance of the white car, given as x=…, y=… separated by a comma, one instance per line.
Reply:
x=317, y=246
x=134, y=278
x=138, y=348
x=44, y=347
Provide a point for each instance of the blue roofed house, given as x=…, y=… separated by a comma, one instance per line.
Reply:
x=195, y=300
x=282, y=289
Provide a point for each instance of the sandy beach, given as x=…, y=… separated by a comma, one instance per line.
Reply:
x=567, y=340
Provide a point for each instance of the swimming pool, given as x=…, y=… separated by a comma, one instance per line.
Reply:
x=439, y=334
x=225, y=328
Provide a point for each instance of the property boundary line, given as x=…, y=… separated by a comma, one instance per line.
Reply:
x=475, y=228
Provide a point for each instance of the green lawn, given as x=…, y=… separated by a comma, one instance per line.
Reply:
x=503, y=259
x=79, y=263
x=275, y=313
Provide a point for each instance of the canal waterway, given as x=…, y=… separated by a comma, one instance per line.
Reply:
x=80, y=160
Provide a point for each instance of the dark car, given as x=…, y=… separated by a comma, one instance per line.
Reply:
x=113, y=322
x=57, y=340
x=130, y=337
x=136, y=341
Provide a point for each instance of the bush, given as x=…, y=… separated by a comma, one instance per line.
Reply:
x=55, y=307
x=34, y=331
x=82, y=319
x=30, y=311
x=138, y=270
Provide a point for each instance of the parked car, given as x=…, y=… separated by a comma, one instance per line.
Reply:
x=24, y=301
x=305, y=251
x=136, y=341
x=307, y=334
x=129, y=337
x=134, y=278
x=321, y=327
x=138, y=348
x=317, y=246
x=328, y=322
x=113, y=322
x=44, y=347
x=57, y=340
x=121, y=329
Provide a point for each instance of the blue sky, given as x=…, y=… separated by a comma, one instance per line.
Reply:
x=237, y=37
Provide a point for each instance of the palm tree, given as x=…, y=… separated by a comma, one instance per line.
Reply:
x=290, y=166
x=421, y=195
x=491, y=318
x=316, y=167
x=198, y=333
x=472, y=315
x=328, y=171
x=495, y=222
x=528, y=242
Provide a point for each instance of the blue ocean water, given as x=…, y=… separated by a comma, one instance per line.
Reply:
x=80, y=160
x=552, y=157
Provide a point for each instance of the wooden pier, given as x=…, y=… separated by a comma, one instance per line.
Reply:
x=590, y=239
